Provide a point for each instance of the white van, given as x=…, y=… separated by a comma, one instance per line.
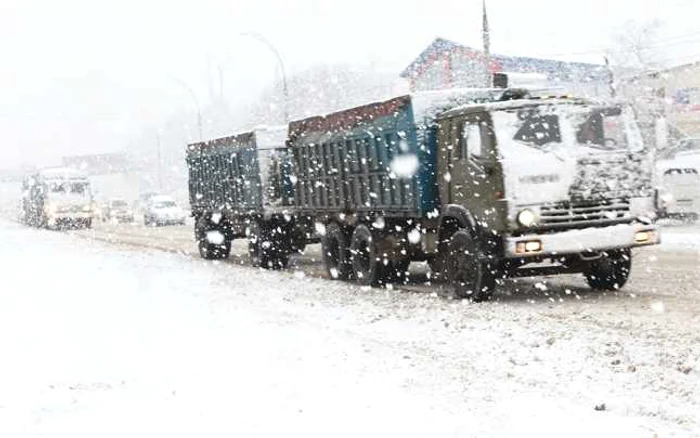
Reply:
x=679, y=181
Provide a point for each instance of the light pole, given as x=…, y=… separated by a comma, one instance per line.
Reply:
x=160, y=162
x=274, y=50
x=196, y=103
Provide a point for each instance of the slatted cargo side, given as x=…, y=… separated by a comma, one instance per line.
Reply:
x=224, y=174
x=343, y=161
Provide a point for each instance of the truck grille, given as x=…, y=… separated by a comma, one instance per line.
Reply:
x=591, y=212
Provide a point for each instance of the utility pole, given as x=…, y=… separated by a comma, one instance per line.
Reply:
x=193, y=95
x=487, y=45
x=274, y=50
x=611, y=80
x=160, y=162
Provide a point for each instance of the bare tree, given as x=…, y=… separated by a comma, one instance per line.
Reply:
x=322, y=89
x=637, y=46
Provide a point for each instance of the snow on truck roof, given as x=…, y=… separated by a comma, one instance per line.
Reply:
x=266, y=137
x=426, y=106
x=510, y=104
x=61, y=173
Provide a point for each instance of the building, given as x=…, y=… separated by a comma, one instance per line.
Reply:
x=110, y=175
x=97, y=164
x=673, y=93
x=446, y=64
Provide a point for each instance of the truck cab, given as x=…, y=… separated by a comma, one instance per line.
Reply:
x=561, y=183
x=57, y=197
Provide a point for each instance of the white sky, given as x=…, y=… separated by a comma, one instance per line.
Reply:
x=82, y=75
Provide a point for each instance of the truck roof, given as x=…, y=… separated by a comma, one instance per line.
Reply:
x=266, y=137
x=511, y=104
x=425, y=105
x=61, y=173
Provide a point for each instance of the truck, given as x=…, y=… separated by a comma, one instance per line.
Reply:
x=56, y=197
x=240, y=187
x=482, y=184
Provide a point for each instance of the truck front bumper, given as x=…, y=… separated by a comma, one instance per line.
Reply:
x=64, y=216
x=581, y=241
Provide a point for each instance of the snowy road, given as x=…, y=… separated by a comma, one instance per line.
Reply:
x=116, y=339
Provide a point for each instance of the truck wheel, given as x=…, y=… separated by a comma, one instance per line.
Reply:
x=211, y=251
x=611, y=271
x=367, y=267
x=336, y=252
x=265, y=251
x=469, y=270
x=396, y=271
x=88, y=223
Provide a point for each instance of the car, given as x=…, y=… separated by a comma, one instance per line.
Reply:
x=117, y=210
x=163, y=210
x=678, y=176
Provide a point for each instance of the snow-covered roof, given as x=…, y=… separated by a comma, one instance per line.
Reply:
x=507, y=105
x=427, y=104
x=266, y=137
x=553, y=68
x=270, y=137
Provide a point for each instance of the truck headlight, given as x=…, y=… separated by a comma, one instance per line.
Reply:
x=527, y=218
x=86, y=208
x=666, y=197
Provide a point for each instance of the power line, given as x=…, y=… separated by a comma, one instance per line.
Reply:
x=667, y=42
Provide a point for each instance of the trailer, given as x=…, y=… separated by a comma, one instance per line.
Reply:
x=240, y=187
x=483, y=184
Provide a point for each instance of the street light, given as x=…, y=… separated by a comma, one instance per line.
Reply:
x=160, y=162
x=196, y=103
x=274, y=50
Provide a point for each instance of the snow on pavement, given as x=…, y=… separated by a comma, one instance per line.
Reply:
x=103, y=341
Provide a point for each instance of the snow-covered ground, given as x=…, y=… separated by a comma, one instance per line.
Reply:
x=109, y=340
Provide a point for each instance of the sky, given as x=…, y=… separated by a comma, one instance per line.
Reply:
x=82, y=76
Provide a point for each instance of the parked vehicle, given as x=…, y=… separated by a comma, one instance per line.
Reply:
x=241, y=187
x=163, y=210
x=145, y=198
x=482, y=184
x=117, y=210
x=679, y=181
x=56, y=197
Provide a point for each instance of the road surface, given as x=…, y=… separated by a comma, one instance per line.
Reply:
x=123, y=331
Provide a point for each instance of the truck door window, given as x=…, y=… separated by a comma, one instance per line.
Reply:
x=471, y=140
x=454, y=145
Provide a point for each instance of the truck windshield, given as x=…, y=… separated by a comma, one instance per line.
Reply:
x=604, y=128
x=608, y=128
x=76, y=188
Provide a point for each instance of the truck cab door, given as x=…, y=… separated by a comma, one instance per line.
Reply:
x=469, y=172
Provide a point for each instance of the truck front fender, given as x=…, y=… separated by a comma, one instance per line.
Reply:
x=455, y=216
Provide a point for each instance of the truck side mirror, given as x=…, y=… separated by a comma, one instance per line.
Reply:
x=500, y=80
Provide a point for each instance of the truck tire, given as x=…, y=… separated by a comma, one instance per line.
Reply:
x=611, y=271
x=470, y=271
x=211, y=251
x=336, y=252
x=266, y=251
x=397, y=271
x=367, y=267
